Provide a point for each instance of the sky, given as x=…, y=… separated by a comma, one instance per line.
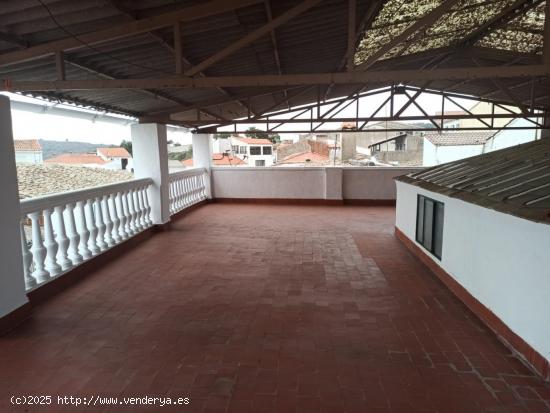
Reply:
x=83, y=126
x=50, y=121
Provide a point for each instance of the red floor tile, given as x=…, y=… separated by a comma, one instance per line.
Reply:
x=256, y=308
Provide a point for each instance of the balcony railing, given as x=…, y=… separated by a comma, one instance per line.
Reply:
x=69, y=228
x=187, y=188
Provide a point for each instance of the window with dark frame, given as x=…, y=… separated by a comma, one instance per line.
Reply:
x=429, y=224
x=255, y=150
x=267, y=150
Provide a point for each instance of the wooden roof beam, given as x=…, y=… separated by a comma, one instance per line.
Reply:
x=253, y=36
x=381, y=77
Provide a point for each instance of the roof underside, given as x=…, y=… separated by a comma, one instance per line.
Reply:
x=473, y=32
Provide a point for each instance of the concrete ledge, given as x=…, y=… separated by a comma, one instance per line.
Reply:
x=279, y=201
x=15, y=318
x=55, y=286
x=370, y=202
x=522, y=349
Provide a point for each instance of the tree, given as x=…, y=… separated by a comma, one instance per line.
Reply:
x=222, y=135
x=127, y=145
x=256, y=133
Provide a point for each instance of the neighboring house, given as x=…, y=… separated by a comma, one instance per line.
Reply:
x=79, y=159
x=116, y=158
x=220, y=159
x=254, y=152
x=305, y=159
x=404, y=149
x=28, y=151
x=451, y=146
x=382, y=131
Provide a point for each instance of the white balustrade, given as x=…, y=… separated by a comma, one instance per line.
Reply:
x=187, y=188
x=69, y=228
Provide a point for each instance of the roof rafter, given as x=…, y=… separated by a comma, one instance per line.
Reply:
x=383, y=77
x=425, y=21
x=253, y=36
x=124, y=30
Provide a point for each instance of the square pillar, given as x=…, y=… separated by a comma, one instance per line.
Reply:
x=333, y=183
x=12, y=284
x=150, y=153
x=202, y=157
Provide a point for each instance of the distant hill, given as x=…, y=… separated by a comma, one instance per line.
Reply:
x=54, y=148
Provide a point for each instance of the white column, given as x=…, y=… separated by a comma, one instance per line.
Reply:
x=150, y=153
x=12, y=281
x=333, y=183
x=202, y=157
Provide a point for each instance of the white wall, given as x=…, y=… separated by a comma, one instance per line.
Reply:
x=502, y=260
x=436, y=155
x=264, y=182
x=374, y=183
x=28, y=157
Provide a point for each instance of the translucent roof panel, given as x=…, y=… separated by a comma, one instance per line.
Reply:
x=453, y=28
x=523, y=34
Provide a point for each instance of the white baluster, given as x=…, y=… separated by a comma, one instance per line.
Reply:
x=30, y=281
x=82, y=231
x=74, y=238
x=51, y=245
x=61, y=238
x=186, y=202
x=144, y=213
x=91, y=225
x=171, y=197
x=203, y=186
x=126, y=212
x=115, y=219
x=181, y=190
x=121, y=216
x=147, y=206
x=137, y=209
x=38, y=251
x=100, y=224
x=105, y=209
x=132, y=211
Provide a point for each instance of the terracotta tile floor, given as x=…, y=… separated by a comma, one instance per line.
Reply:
x=247, y=308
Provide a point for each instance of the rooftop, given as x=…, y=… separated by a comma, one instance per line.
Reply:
x=253, y=141
x=514, y=180
x=305, y=157
x=219, y=159
x=37, y=180
x=77, y=159
x=459, y=138
x=322, y=310
x=114, y=152
x=27, y=145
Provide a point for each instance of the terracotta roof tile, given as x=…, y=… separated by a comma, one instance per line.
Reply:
x=114, y=152
x=459, y=138
x=253, y=141
x=77, y=159
x=27, y=145
x=304, y=157
x=219, y=159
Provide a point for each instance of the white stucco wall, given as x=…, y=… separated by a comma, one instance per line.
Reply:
x=502, y=260
x=265, y=182
x=28, y=157
x=366, y=183
x=372, y=183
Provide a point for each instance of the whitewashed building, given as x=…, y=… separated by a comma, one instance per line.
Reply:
x=483, y=226
x=28, y=151
x=254, y=152
x=116, y=158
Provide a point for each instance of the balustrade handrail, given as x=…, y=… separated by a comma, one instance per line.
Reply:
x=186, y=173
x=48, y=201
